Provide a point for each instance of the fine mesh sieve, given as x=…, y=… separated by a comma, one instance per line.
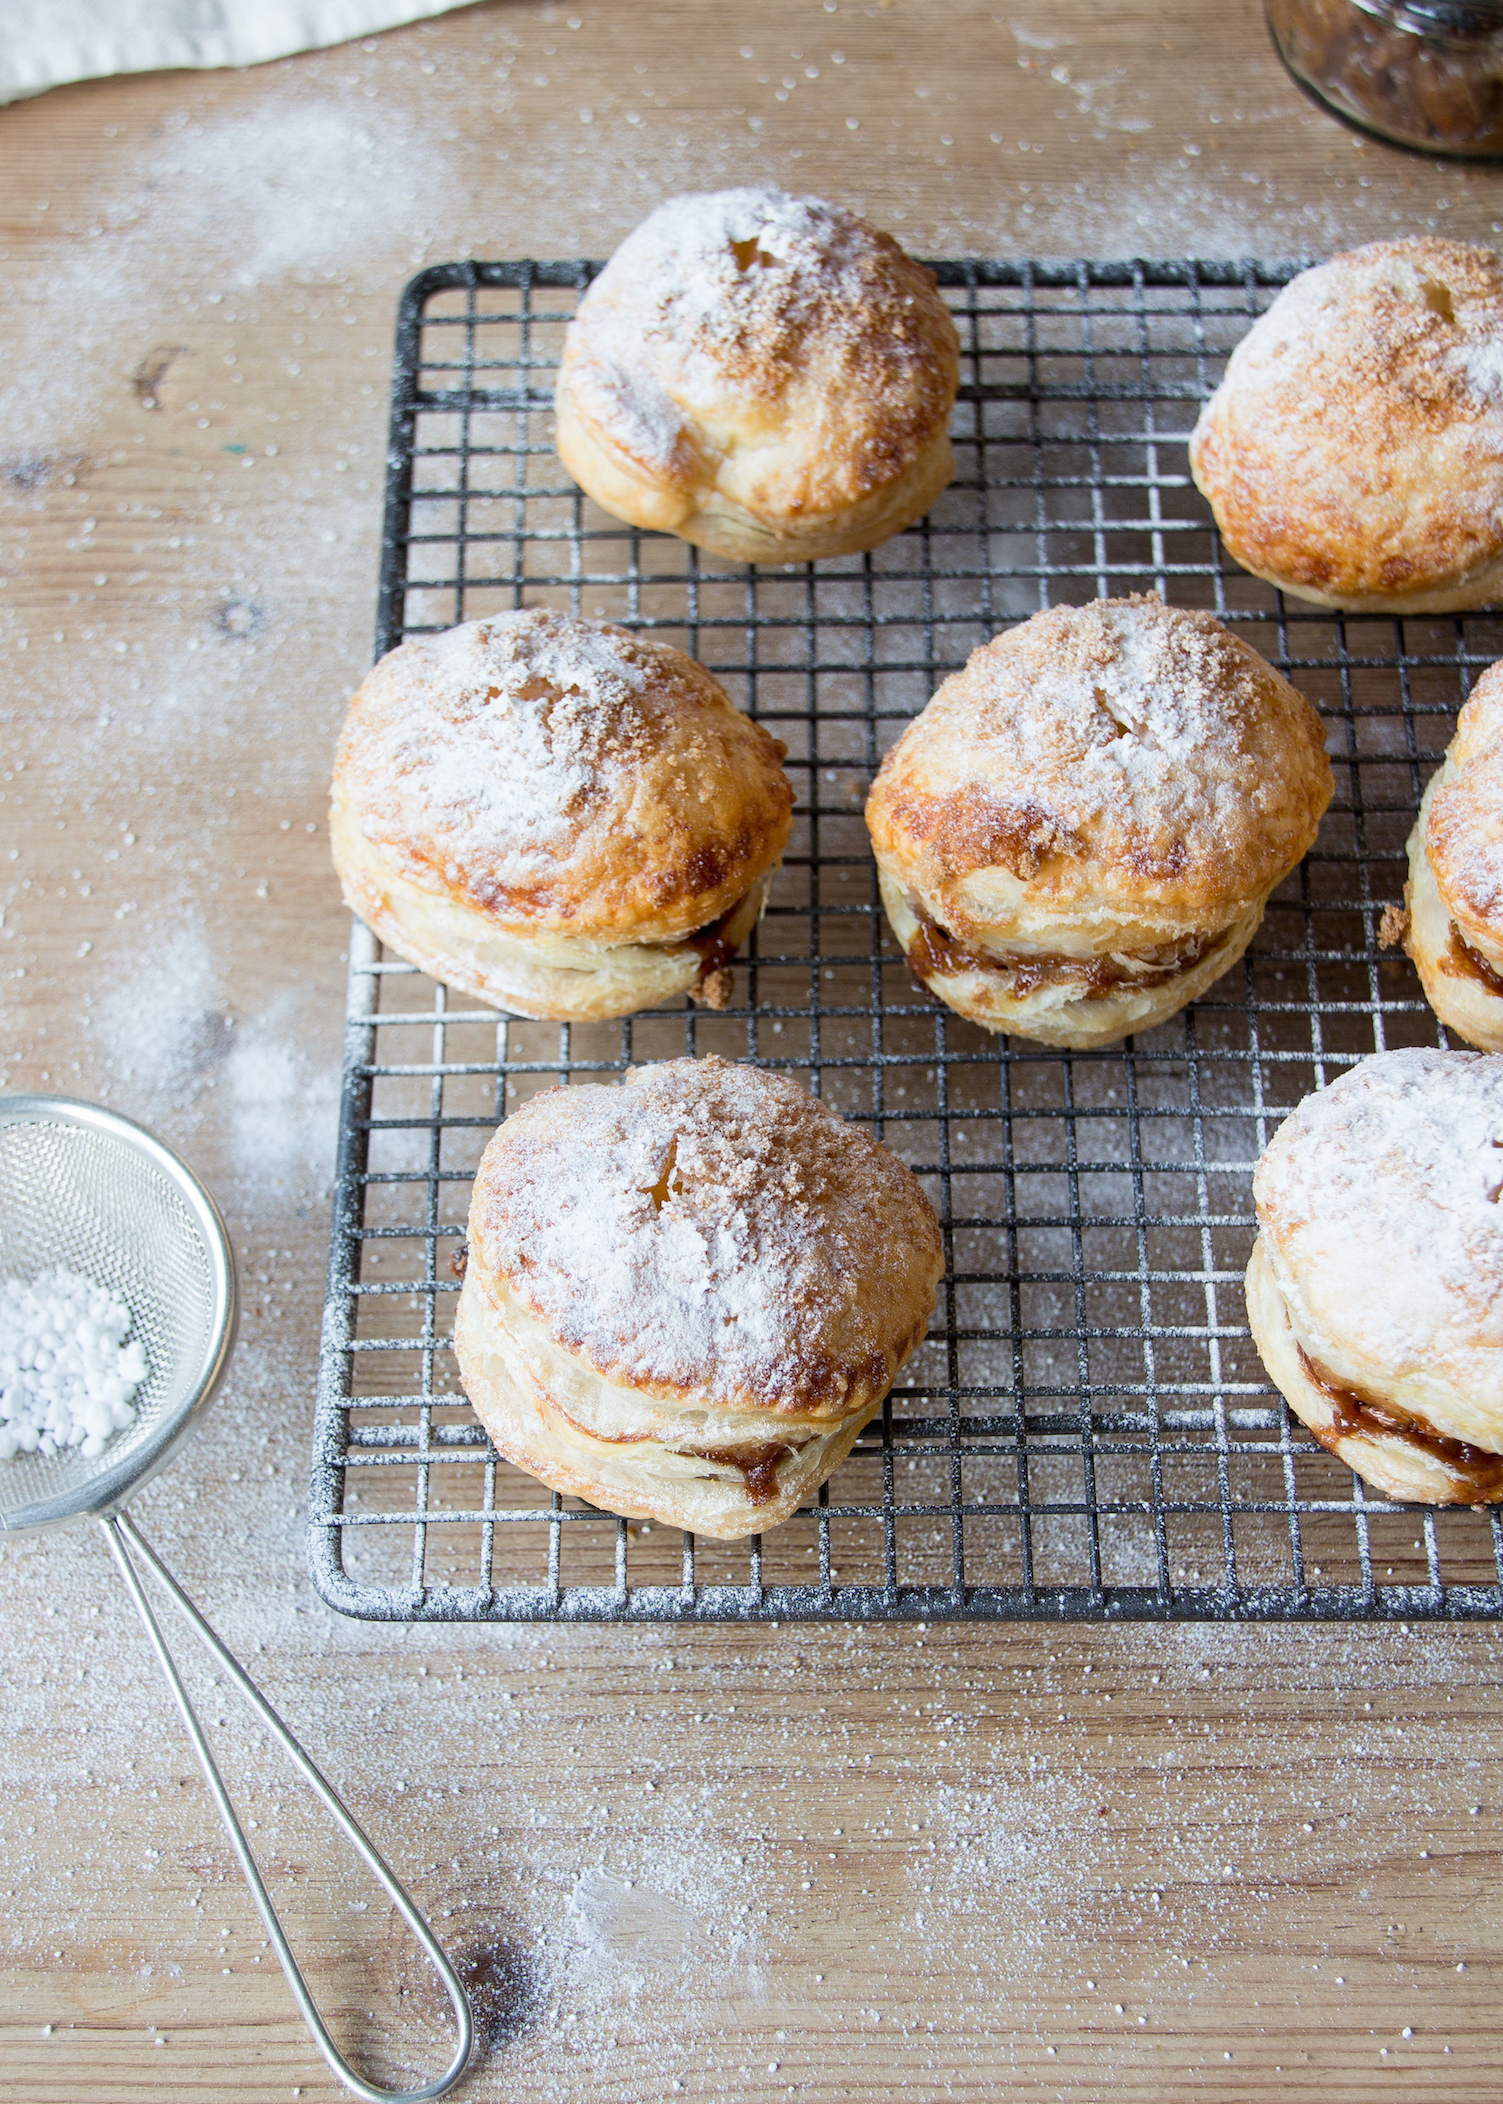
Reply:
x=84, y=1188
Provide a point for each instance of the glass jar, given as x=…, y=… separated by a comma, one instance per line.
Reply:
x=1425, y=73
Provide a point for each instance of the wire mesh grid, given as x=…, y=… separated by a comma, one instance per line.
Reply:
x=1088, y=1432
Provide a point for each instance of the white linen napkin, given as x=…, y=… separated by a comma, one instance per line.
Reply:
x=46, y=42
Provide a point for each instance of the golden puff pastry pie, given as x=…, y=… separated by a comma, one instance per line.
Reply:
x=1455, y=889
x=562, y=818
x=765, y=375
x=1353, y=454
x=684, y=1297
x=1081, y=830
x=1375, y=1289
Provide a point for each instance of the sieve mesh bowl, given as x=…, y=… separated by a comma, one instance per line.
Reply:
x=85, y=1188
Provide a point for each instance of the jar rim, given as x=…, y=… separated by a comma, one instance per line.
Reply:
x=1458, y=18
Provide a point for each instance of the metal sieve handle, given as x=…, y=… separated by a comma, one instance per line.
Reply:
x=124, y=1540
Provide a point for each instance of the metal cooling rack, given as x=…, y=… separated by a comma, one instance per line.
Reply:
x=1088, y=1433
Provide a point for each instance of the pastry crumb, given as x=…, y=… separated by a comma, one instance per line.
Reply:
x=716, y=988
x=1393, y=929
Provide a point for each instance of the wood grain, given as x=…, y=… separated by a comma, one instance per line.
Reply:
x=970, y=1863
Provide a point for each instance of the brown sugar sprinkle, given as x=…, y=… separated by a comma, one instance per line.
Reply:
x=1423, y=317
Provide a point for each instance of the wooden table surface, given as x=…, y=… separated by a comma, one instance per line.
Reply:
x=960, y=1862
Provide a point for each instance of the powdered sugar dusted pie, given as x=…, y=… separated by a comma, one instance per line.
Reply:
x=1455, y=889
x=684, y=1297
x=1353, y=454
x=763, y=374
x=563, y=818
x=1080, y=832
x=1375, y=1290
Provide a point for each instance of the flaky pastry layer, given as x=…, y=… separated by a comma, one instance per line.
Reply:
x=1455, y=981
x=631, y=1472
x=552, y=977
x=1464, y=821
x=764, y=375
x=1459, y=594
x=1398, y=1464
x=713, y=517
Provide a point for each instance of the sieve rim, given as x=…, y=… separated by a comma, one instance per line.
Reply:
x=106, y=1489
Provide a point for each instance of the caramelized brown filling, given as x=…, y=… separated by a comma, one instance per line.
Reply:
x=935, y=952
x=715, y=953
x=759, y=1466
x=1465, y=963
x=1356, y=1411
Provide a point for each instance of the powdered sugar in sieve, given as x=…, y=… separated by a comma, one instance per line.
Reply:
x=68, y=1375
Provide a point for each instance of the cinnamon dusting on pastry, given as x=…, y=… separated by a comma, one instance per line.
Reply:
x=978, y=829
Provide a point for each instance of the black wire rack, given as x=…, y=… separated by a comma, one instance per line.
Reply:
x=1088, y=1432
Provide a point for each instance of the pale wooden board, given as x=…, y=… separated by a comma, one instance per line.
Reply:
x=1029, y=1810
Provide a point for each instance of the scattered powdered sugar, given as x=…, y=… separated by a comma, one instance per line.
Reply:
x=1147, y=700
x=67, y=1373
x=159, y=1021
x=704, y=270
x=478, y=1727
x=1484, y=366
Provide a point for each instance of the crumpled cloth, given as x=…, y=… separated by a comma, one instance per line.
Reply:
x=46, y=42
